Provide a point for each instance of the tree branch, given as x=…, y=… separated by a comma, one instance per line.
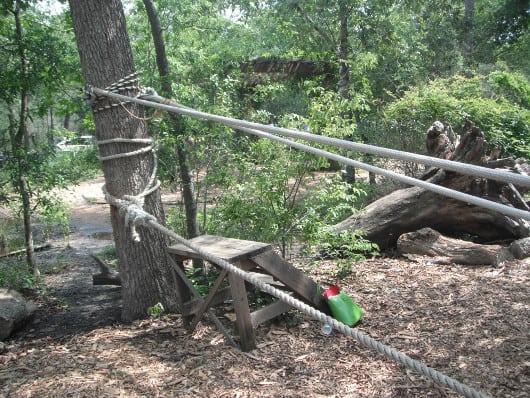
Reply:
x=315, y=26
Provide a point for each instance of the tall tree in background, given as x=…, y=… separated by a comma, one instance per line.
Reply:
x=106, y=57
x=31, y=56
x=469, y=31
x=16, y=89
x=176, y=121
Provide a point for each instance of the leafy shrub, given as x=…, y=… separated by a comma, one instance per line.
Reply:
x=155, y=311
x=497, y=103
x=73, y=167
x=54, y=214
x=17, y=275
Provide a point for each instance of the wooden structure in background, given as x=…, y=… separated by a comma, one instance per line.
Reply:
x=249, y=256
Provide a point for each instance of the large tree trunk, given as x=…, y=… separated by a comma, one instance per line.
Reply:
x=411, y=209
x=106, y=57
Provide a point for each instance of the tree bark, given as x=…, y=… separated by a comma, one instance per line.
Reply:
x=411, y=209
x=106, y=57
x=177, y=122
x=428, y=242
x=20, y=142
x=469, y=31
x=344, y=83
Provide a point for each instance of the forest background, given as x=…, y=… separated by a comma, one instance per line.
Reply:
x=378, y=72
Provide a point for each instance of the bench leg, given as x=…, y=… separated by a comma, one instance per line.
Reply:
x=243, y=319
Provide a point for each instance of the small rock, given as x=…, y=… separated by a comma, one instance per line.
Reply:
x=521, y=248
x=15, y=312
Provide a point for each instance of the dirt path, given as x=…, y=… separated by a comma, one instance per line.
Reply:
x=470, y=323
x=73, y=305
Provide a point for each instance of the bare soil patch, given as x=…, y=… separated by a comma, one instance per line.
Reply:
x=470, y=323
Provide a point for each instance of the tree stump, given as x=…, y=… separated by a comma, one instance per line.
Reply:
x=414, y=208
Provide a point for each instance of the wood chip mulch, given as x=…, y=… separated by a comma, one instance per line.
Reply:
x=470, y=323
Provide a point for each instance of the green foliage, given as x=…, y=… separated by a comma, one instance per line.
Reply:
x=495, y=103
x=156, y=310
x=204, y=279
x=513, y=87
x=55, y=215
x=346, y=246
x=278, y=199
x=72, y=167
x=264, y=204
x=18, y=276
x=109, y=256
x=330, y=202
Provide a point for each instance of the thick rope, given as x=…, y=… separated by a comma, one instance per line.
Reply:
x=149, y=97
x=140, y=217
x=132, y=201
x=259, y=129
x=132, y=209
x=129, y=82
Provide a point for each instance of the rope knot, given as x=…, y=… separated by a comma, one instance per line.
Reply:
x=131, y=208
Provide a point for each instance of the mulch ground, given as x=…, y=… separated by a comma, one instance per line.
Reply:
x=470, y=323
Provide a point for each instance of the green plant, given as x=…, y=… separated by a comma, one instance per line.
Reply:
x=72, y=167
x=109, y=256
x=346, y=244
x=18, y=276
x=156, y=310
x=265, y=203
x=55, y=215
x=497, y=103
x=203, y=279
x=347, y=247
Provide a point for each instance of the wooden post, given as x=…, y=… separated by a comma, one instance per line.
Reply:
x=243, y=320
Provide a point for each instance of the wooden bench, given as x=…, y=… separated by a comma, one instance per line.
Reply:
x=249, y=256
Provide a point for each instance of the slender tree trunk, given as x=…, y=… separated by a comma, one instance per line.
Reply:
x=469, y=31
x=344, y=69
x=51, y=128
x=66, y=121
x=344, y=77
x=177, y=122
x=28, y=233
x=21, y=144
x=106, y=57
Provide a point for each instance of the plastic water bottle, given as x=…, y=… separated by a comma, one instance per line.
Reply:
x=326, y=329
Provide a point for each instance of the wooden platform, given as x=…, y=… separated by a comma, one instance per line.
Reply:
x=249, y=256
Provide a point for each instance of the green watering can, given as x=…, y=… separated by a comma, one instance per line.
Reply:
x=342, y=307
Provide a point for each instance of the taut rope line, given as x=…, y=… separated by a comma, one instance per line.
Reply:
x=259, y=129
x=479, y=171
x=132, y=208
x=140, y=217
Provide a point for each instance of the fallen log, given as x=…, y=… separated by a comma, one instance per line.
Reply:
x=414, y=208
x=44, y=246
x=428, y=242
x=107, y=276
